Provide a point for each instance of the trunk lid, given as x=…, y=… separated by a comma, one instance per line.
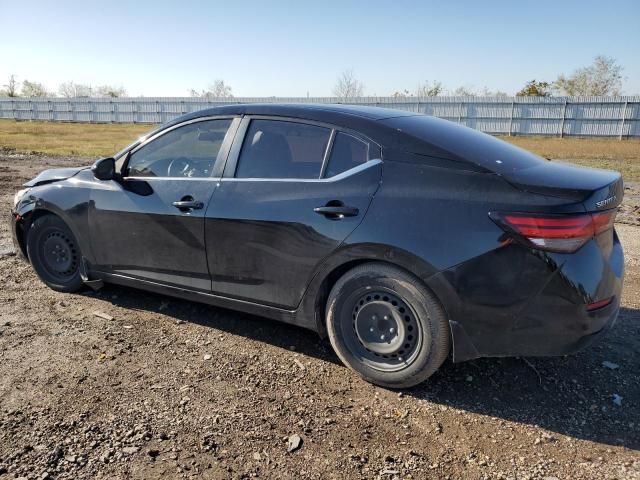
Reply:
x=594, y=188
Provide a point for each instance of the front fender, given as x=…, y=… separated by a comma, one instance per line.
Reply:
x=65, y=199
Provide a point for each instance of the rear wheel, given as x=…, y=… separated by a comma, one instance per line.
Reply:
x=386, y=326
x=54, y=254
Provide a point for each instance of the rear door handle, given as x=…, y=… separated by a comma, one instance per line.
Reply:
x=188, y=205
x=337, y=212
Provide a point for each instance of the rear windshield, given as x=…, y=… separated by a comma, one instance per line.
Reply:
x=471, y=145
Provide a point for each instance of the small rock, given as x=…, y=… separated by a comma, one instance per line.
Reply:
x=207, y=357
x=299, y=363
x=294, y=443
x=469, y=378
x=256, y=456
x=617, y=399
x=130, y=450
x=128, y=327
x=102, y=315
x=610, y=365
x=184, y=401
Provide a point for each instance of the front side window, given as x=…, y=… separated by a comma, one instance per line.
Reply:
x=347, y=152
x=187, y=151
x=281, y=149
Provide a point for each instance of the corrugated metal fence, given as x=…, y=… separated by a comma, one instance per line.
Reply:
x=558, y=116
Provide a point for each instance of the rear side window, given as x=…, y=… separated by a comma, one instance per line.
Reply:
x=279, y=149
x=347, y=152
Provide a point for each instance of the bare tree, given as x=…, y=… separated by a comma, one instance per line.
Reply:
x=11, y=87
x=34, y=89
x=486, y=92
x=348, y=86
x=402, y=94
x=602, y=77
x=429, y=89
x=71, y=90
x=218, y=89
x=464, y=92
x=110, y=91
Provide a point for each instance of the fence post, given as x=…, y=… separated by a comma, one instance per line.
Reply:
x=624, y=116
x=564, y=115
x=511, y=116
x=460, y=112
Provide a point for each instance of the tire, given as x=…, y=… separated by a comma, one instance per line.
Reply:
x=375, y=300
x=54, y=254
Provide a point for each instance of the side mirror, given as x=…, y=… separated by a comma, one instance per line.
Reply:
x=104, y=169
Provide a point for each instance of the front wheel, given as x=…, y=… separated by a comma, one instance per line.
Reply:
x=384, y=324
x=54, y=254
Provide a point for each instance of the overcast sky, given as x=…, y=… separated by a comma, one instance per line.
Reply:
x=291, y=48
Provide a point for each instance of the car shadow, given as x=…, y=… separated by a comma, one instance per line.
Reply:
x=576, y=395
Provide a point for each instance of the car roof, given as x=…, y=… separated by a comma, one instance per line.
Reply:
x=304, y=110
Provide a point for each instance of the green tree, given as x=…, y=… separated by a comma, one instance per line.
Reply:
x=535, y=89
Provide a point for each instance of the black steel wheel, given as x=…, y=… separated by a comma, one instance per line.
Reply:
x=384, y=324
x=54, y=253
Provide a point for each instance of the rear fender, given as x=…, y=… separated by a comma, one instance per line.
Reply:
x=311, y=311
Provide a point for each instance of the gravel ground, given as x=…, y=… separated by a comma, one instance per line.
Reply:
x=172, y=389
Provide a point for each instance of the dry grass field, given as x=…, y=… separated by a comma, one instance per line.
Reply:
x=95, y=140
x=69, y=139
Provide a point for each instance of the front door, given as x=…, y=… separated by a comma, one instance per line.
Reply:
x=291, y=193
x=150, y=225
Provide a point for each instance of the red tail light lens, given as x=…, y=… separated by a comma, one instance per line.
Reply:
x=556, y=233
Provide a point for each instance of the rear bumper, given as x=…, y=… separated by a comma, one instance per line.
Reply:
x=516, y=301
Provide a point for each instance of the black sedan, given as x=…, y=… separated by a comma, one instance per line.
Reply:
x=399, y=236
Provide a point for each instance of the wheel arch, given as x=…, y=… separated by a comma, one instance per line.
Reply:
x=312, y=307
x=31, y=215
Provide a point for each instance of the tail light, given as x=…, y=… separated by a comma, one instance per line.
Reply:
x=555, y=233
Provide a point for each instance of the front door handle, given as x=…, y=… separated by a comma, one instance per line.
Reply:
x=337, y=212
x=187, y=204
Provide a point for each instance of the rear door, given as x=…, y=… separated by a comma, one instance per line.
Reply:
x=292, y=191
x=150, y=225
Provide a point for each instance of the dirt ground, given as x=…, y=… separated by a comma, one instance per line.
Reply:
x=173, y=389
